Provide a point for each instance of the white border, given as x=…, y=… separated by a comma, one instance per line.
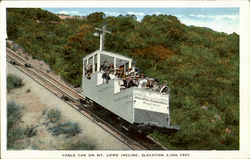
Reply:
x=244, y=74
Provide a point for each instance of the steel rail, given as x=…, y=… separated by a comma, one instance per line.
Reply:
x=71, y=90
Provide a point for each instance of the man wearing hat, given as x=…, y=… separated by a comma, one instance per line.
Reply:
x=150, y=83
x=128, y=82
x=104, y=66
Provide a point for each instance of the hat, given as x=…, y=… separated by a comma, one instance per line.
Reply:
x=165, y=81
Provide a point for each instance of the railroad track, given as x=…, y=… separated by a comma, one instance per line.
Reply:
x=70, y=96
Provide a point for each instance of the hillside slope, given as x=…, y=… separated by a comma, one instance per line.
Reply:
x=200, y=65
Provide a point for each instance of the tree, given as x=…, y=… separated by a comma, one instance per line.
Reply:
x=155, y=52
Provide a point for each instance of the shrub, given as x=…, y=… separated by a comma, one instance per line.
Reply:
x=13, y=82
x=13, y=113
x=13, y=135
x=53, y=116
x=30, y=131
x=68, y=128
x=14, y=132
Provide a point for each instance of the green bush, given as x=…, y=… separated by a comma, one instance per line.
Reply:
x=69, y=129
x=57, y=128
x=30, y=131
x=53, y=116
x=14, y=132
x=14, y=114
x=13, y=135
x=13, y=82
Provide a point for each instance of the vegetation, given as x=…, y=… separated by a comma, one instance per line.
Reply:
x=82, y=145
x=18, y=135
x=200, y=65
x=15, y=132
x=13, y=82
x=58, y=127
x=53, y=116
x=68, y=128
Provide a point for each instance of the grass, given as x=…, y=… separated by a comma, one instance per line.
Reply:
x=14, y=114
x=68, y=128
x=30, y=131
x=16, y=133
x=57, y=128
x=82, y=145
x=13, y=135
x=13, y=82
x=53, y=116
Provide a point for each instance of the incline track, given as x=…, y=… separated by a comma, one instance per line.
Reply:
x=70, y=96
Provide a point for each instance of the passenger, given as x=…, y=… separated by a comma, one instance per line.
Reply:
x=142, y=82
x=137, y=80
x=105, y=76
x=133, y=78
x=111, y=67
x=128, y=72
x=150, y=83
x=121, y=83
x=144, y=85
x=164, y=88
x=155, y=85
x=89, y=71
x=104, y=66
x=111, y=74
x=129, y=82
x=118, y=72
x=126, y=82
x=133, y=71
x=121, y=74
x=147, y=83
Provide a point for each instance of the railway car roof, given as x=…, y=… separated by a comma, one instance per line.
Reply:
x=109, y=57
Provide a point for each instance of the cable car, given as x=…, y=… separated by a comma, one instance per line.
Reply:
x=142, y=108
